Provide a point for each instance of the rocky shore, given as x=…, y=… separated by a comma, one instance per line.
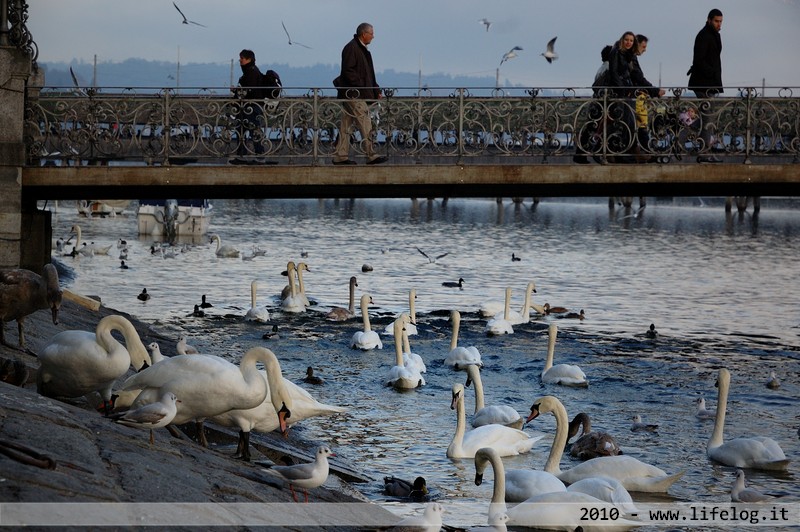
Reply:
x=57, y=452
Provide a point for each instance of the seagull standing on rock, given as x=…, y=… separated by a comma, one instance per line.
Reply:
x=310, y=475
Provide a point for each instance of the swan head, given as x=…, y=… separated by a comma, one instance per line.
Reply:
x=531, y=287
x=458, y=395
x=283, y=414
x=579, y=420
x=366, y=300
x=724, y=378
x=471, y=368
x=483, y=456
x=542, y=405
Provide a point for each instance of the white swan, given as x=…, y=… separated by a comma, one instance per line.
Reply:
x=486, y=415
x=702, y=412
x=500, y=325
x=293, y=301
x=411, y=359
x=299, y=286
x=634, y=474
x=520, y=484
x=226, y=251
x=88, y=249
x=411, y=327
x=284, y=405
x=76, y=363
x=565, y=374
x=366, y=339
x=524, y=315
x=460, y=357
x=757, y=452
x=207, y=385
x=741, y=493
x=559, y=510
x=344, y=314
x=606, y=489
x=260, y=315
x=505, y=440
x=403, y=376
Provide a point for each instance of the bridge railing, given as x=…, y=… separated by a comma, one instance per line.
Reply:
x=437, y=126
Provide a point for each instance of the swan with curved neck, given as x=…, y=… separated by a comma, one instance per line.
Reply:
x=301, y=267
x=486, y=415
x=207, y=385
x=505, y=440
x=757, y=452
x=366, y=339
x=226, y=251
x=501, y=325
x=292, y=302
x=284, y=405
x=255, y=313
x=592, y=443
x=634, y=474
x=403, y=376
x=558, y=510
x=460, y=357
x=411, y=326
x=23, y=292
x=89, y=249
x=76, y=363
x=564, y=374
x=341, y=313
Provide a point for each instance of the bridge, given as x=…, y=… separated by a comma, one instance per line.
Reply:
x=128, y=143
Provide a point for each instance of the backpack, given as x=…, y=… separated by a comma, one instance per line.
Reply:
x=271, y=79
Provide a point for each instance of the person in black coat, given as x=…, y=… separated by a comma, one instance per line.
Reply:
x=619, y=65
x=357, y=84
x=250, y=117
x=705, y=75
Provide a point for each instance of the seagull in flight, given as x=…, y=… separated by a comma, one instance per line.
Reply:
x=186, y=20
x=78, y=89
x=486, y=22
x=290, y=37
x=550, y=54
x=511, y=54
x=434, y=259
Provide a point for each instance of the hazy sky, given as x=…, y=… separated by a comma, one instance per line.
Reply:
x=761, y=38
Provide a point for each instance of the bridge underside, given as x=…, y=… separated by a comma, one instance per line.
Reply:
x=295, y=181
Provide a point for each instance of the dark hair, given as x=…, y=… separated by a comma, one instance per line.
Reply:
x=363, y=28
x=248, y=54
x=714, y=13
x=619, y=42
x=641, y=38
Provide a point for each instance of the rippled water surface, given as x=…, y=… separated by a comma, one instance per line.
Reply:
x=721, y=290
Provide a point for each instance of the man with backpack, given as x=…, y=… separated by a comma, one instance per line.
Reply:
x=250, y=117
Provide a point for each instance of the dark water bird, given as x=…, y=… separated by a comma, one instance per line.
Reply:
x=652, y=332
x=310, y=378
x=554, y=310
x=432, y=260
x=197, y=313
x=451, y=284
x=550, y=54
x=122, y=265
x=366, y=268
x=14, y=372
x=290, y=37
x=398, y=487
x=591, y=443
x=271, y=334
x=514, y=258
x=511, y=54
x=23, y=292
x=186, y=20
x=204, y=303
x=575, y=315
x=144, y=296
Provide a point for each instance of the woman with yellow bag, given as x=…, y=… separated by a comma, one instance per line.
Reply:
x=644, y=91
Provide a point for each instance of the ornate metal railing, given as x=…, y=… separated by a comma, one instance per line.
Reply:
x=532, y=126
x=14, y=30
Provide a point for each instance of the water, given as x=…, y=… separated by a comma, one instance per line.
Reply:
x=719, y=288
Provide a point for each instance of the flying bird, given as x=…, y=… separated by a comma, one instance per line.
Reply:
x=486, y=22
x=186, y=20
x=550, y=54
x=75, y=84
x=290, y=37
x=433, y=259
x=511, y=54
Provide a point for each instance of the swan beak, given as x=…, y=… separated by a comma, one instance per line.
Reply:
x=478, y=479
x=283, y=414
x=469, y=381
x=534, y=413
x=454, y=401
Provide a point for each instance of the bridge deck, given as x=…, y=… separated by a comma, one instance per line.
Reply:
x=413, y=180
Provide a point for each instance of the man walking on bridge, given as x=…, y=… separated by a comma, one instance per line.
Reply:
x=357, y=84
x=705, y=75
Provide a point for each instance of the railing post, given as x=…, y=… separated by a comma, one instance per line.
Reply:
x=167, y=128
x=605, y=126
x=315, y=129
x=748, y=131
x=460, y=132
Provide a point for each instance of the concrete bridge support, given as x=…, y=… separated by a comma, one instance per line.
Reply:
x=24, y=231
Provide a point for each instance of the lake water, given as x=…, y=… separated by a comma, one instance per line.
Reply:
x=720, y=288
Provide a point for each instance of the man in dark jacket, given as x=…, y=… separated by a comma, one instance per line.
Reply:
x=705, y=75
x=250, y=117
x=357, y=83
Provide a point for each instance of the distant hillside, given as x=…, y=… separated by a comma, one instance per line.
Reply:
x=161, y=74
